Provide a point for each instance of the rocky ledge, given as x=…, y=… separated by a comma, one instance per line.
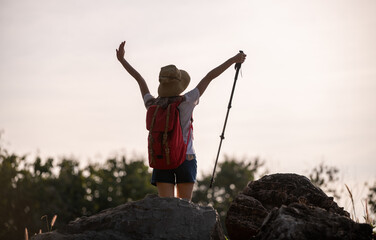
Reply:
x=150, y=218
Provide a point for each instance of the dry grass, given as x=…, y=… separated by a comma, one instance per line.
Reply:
x=367, y=216
x=53, y=221
x=49, y=226
x=352, y=203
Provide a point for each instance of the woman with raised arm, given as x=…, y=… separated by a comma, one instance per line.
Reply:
x=172, y=82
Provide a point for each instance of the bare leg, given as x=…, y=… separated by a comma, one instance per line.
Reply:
x=165, y=189
x=185, y=190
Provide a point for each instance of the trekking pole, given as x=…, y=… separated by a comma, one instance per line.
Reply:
x=237, y=68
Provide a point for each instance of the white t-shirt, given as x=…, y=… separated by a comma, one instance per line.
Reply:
x=186, y=109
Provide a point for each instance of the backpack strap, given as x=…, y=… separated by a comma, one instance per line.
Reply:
x=165, y=143
x=151, y=140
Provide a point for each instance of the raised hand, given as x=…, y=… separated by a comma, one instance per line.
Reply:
x=140, y=80
x=120, y=52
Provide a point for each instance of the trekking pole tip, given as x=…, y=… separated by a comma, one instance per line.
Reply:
x=211, y=182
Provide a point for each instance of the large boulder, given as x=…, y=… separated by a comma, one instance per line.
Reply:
x=289, y=206
x=150, y=218
x=301, y=221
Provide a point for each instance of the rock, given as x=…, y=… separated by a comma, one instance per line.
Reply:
x=300, y=221
x=150, y=218
x=244, y=217
x=262, y=210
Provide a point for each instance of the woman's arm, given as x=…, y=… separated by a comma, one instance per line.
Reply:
x=203, y=84
x=140, y=80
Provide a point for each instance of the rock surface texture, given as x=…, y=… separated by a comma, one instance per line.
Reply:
x=150, y=218
x=289, y=206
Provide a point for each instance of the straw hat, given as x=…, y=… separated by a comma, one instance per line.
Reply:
x=172, y=81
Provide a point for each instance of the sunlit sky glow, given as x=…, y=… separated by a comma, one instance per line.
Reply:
x=306, y=95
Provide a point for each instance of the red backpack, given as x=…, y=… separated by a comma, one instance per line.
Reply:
x=166, y=146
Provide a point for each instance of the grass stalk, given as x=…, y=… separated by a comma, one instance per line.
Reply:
x=352, y=202
x=46, y=217
x=53, y=221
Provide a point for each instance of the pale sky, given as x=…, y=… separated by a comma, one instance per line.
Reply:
x=306, y=95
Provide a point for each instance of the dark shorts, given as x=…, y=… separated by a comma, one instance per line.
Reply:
x=185, y=173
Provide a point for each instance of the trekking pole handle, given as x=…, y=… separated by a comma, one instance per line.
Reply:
x=238, y=65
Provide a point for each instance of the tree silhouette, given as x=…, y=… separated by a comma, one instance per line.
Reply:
x=30, y=191
x=326, y=178
x=231, y=177
x=372, y=198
